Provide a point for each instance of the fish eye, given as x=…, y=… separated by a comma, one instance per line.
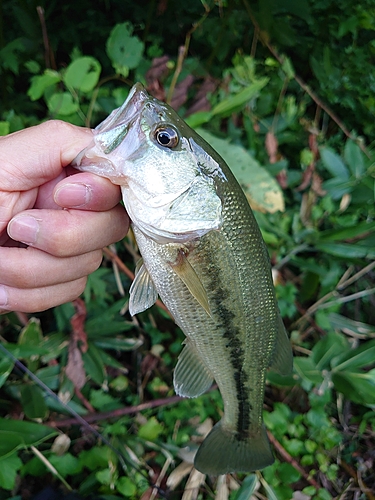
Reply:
x=166, y=137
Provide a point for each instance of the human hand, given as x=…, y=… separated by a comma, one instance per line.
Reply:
x=46, y=253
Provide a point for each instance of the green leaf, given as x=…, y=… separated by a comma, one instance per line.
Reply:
x=271, y=495
x=307, y=369
x=197, y=119
x=4, y=128
x=31, y=335
x=94, y=365
x=25, y=351
x=237, y=101
x=288, y=474
x=95, y=458
x=118, y=343
x=354, y=327
x=104, y=476
x=150, y=430
x=357, y=387
x=346, y=250
x=16, y=434
x=40, y=83
x=354, y=158
x=345, y=233
x=333, y=163
x=32, y=66
x=9, y=468
x=32, y=401
x=262, y=190
x=327, y=348
x=248, y=487
x=287, y=67
x=361, y=357
x=126, y=486
x=10, y=55
x=82, y=74
x=61, y=103
x=124, y=50
x=337, y=187
x=103, y=401
x=6, y=366
x=66, y=464
x=50, y=376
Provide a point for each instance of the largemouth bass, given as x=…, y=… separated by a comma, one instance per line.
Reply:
x=204, y=255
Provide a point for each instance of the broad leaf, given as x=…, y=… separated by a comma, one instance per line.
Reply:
x=261, y=189
x=234, y=102
x=33, y=402
x=83, y=74
x=307, y=369
x=328, y=348
x=124, y=50
x=357, y=387
x=249, y=485
x=333, y=163
x=361, y=357
x=61, y=103
x=16, y=434
x=354, y=158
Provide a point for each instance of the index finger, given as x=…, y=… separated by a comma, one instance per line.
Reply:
x=35, y=155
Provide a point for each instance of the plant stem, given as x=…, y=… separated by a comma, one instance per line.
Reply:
x=50, y=467
x=265, y=40
x=96, y=417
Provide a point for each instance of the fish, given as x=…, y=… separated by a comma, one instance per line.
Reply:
x=204, y=256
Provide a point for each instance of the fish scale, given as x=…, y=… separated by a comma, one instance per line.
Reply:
x=204, y=255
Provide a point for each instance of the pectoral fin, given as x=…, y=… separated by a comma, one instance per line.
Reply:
x=187, y=274
x=143, y=293
x=191, y=376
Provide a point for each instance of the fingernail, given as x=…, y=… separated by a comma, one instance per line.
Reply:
x=73, y=195
x=24, y=229
x=3, y=297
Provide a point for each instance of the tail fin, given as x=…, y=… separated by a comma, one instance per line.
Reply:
x=222, y=452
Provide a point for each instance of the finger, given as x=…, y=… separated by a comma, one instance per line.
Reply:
x=39, y=299
x=31, y=268
x=69, y=232
x=41, y=153
x=87, y=191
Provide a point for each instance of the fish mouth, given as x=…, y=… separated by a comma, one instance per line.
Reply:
x=121, y=119
x=109, y=135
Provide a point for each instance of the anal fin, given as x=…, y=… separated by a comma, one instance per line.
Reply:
x=191, y=376
x=143, y=293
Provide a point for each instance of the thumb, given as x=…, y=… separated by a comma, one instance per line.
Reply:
x=33, y=156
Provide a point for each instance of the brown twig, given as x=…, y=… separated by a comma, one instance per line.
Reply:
x=48, y=54
x=362, y=485
x=84, y=401
x=182, y=53
x=288, y=458
x=130, y=274
x=95, y=417
x=265, y=40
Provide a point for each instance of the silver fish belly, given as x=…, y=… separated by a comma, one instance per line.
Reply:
x=203, y=253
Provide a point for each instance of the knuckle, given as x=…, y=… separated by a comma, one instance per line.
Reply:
x=57, y=127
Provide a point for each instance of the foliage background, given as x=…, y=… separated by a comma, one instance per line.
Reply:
x=285, y=92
